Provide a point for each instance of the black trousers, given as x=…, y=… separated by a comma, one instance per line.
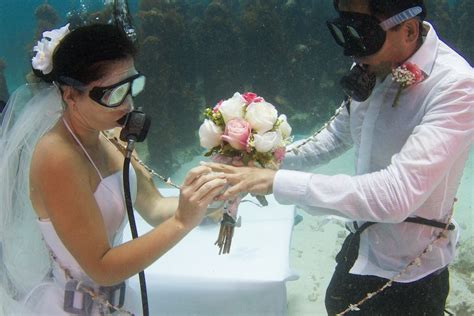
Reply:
x=426, y=296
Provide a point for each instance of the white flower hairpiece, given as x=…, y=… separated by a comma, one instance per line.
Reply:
x=43, y=59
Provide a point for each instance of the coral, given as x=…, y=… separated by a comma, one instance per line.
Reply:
x=170, y=97
x=219, y=51
x=264, y=48
x=440, y=12
x=102, y=16
x=46, y=12
x=452, y=20
x=464, y=14
x=147, y=5
x=47, y=18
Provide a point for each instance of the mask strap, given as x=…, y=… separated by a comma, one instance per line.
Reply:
x=72, y=82
x=400, y=17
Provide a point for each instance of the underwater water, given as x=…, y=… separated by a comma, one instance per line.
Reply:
x=195, y=53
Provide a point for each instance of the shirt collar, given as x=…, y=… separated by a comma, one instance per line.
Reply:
x=425, y=56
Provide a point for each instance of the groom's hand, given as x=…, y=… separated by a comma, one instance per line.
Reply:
x=254, y=180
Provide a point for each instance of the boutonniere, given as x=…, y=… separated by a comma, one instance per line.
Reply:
x=406, y=75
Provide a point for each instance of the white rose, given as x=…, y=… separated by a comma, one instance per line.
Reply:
x=233, y=107
x=284, y=128
x=261, y=116
x=267, y=141
x=209, y=134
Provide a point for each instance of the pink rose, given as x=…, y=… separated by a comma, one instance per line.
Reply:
x=415, y=71
x=237, y=132
x=251, y=97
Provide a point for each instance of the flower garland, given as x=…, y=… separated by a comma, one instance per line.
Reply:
x=43, y=59
x=406, y=75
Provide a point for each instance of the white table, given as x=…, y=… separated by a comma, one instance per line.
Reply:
x=192, y=279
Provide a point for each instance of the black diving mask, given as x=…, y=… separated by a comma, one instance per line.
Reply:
x=114, y=95
x=363, y=34
x=111, y=96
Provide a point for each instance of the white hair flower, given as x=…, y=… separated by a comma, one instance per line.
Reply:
x=43, y=59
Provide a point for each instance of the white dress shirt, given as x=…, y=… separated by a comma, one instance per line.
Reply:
x=409, y=162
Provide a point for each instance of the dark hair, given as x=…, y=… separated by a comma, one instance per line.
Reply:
x=388, y=8
x=84, y=53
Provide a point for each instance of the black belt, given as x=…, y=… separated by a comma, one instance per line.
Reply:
x=416, y=220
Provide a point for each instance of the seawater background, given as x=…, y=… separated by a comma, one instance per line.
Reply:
x=316, y=240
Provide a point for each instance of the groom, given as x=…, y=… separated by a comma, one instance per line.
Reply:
x=411, y=134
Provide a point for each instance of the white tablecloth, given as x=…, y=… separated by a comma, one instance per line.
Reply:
x=192, y=279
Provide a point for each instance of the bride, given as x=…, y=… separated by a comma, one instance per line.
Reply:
x=62, y=208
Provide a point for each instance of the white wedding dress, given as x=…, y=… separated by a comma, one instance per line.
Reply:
x=48, y=297
x=35, y=266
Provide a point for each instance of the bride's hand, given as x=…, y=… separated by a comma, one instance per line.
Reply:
x=254, y=180
x=199, y=189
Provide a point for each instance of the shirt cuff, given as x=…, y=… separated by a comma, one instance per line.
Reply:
x=289, y=187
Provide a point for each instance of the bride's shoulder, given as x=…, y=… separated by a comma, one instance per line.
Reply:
x=55, y=153
x=53, y=143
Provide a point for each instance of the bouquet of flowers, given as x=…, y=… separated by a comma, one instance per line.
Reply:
x=243, y=130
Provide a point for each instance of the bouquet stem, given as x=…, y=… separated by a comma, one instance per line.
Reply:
x=226, y=232
x=262, y=200
x=228, y=223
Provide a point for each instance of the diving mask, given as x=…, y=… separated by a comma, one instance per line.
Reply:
x=363, y=34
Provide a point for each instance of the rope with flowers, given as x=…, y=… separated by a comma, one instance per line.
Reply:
x=122, y=148
x=325, y=125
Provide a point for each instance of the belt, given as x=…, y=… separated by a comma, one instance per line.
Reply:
x=416, y=220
